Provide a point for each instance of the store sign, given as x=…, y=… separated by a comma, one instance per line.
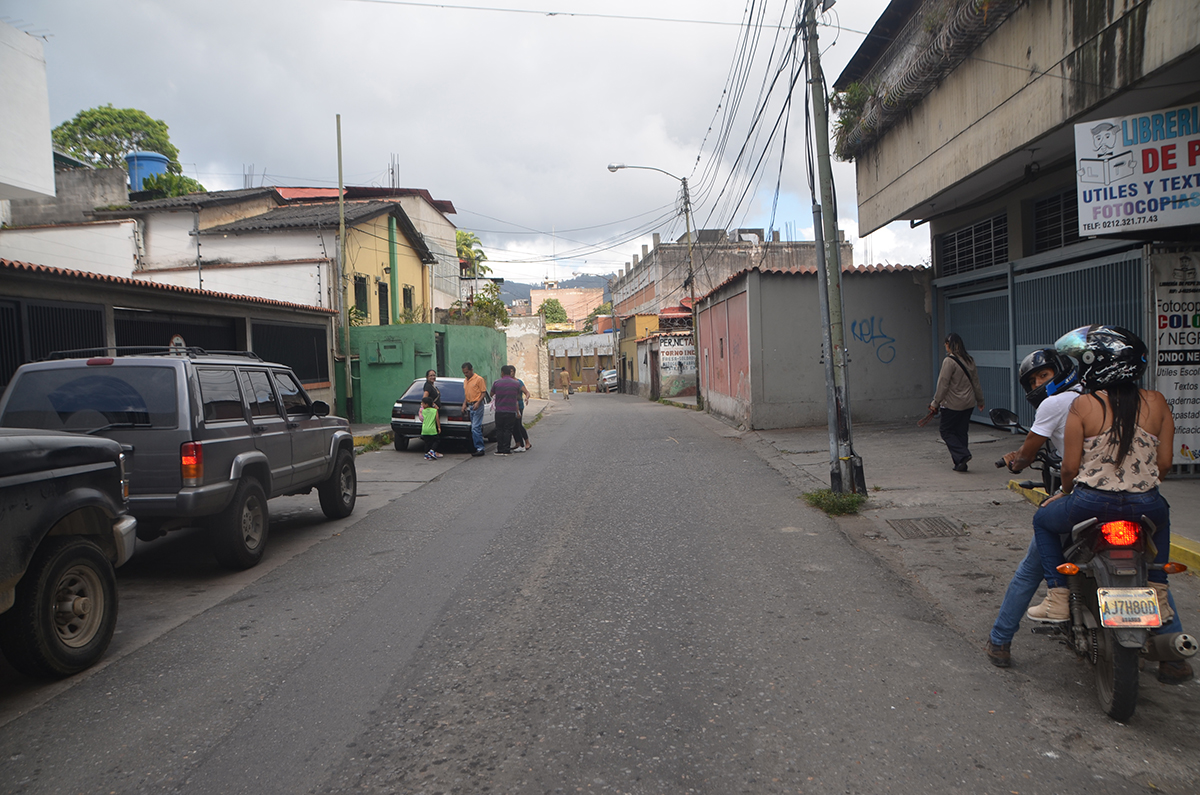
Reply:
x=1177, y=349
x=1138, y=172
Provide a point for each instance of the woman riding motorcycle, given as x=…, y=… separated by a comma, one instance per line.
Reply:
x=1118, y=443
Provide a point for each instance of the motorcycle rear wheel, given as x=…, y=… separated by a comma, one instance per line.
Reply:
x=1116, y=677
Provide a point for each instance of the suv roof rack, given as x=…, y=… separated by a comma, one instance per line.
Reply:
x=146, y=350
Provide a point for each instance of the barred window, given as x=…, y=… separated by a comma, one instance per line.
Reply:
x=973, y=247
x=1056, y=221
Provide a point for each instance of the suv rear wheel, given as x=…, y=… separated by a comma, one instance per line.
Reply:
x=239, y=533
x=340, y=492
x=65, y=610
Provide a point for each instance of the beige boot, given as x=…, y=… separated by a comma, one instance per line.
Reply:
x=1164, y=607
x=1055, y=607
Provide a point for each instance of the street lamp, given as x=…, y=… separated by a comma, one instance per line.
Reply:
x=687, y=219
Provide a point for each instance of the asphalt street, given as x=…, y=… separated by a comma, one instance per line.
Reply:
x=640, y=604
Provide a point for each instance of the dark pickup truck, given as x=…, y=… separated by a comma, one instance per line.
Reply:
x=63, y=528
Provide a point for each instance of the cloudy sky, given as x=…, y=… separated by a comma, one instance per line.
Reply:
x=511, y=109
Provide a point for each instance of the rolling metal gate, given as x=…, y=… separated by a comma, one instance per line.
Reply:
x=1002, y=320
x=30, y=330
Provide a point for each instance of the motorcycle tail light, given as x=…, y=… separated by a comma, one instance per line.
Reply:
x=1174, y=568
x=1121, y=534
x=191, y=463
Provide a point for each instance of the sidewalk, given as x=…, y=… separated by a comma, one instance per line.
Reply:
x=908, y=473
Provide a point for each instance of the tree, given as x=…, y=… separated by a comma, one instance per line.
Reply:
x=486, y=309
x=470, y=250
x=104, y=135
x=589, y=325
x=173, y=185
x=552, y=311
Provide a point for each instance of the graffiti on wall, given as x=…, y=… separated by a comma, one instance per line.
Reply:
x=870, y=332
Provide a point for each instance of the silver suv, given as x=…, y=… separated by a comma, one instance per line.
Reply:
x=208, y=438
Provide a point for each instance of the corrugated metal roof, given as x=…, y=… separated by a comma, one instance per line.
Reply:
x=302, y=216
x=324, y=215
x=811, y=271
x=28, y=267
x=210, y=199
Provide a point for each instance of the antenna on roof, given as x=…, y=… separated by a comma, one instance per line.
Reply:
x=394, y=171
x=247, y=176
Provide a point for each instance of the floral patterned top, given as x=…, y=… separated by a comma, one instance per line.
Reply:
x=1137, y=473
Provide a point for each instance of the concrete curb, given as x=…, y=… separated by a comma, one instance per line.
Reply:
x=1187, y=552
x=382, y=438
x=669, y=402
x=1183, y=550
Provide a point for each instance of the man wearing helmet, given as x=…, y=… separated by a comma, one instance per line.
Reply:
x=1051, y=384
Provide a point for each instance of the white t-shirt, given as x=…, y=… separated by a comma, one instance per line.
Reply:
x=1051, y=418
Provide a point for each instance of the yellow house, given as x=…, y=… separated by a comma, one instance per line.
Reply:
x=633, y=328
x=386, y=265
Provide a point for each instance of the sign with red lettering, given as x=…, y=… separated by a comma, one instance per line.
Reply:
x=1138, y=172
x=1176, y=275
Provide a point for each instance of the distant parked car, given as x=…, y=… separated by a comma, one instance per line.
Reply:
x=607, y=381
x=406, y=417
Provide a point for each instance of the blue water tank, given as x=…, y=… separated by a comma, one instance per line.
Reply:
x=144, y=164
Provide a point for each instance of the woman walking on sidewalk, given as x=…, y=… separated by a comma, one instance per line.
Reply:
x=958, y=392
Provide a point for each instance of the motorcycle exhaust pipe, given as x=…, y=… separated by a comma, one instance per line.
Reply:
x=1174, y=646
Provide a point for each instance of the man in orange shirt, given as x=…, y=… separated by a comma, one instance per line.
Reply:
x=474, y=392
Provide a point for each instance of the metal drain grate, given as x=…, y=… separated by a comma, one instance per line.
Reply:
x=928, y=527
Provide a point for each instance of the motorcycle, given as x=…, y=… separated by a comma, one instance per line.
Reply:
x=1113, y=607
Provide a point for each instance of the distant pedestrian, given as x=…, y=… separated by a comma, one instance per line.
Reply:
x=474, y=395
x=520, y=434
x=506, y=392
x=431, y=428
x=958, y=391
x=564, y=383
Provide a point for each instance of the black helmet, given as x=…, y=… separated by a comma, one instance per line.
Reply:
x=1107, y=354
x=1065, y=374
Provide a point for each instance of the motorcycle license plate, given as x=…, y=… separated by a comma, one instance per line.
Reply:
x=1128, y=607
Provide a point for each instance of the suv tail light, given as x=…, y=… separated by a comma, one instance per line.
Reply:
x=1121, y=534
x=191, y=463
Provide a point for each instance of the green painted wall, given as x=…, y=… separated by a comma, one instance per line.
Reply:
x=391, y=357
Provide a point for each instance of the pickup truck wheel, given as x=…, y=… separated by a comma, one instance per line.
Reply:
x=401, y=443
x=65, y=610
x=239, y=533
x=340, y=492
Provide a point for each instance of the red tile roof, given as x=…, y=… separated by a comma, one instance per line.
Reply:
x=28, y=267
x=294, y=194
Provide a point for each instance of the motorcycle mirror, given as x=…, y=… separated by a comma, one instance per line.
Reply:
x=1003, y=418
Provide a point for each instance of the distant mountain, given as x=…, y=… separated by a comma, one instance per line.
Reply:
x=510, y=291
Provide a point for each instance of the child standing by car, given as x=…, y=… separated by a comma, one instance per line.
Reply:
x=431, y=428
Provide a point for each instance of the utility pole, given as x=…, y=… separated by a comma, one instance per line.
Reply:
x=687, y=221
x=345, y=278
x=845, y=466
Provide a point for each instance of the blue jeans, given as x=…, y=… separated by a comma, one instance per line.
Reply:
x=1020, y=592
x=1054, y=520
x=476, y=426
x=1017, y=596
